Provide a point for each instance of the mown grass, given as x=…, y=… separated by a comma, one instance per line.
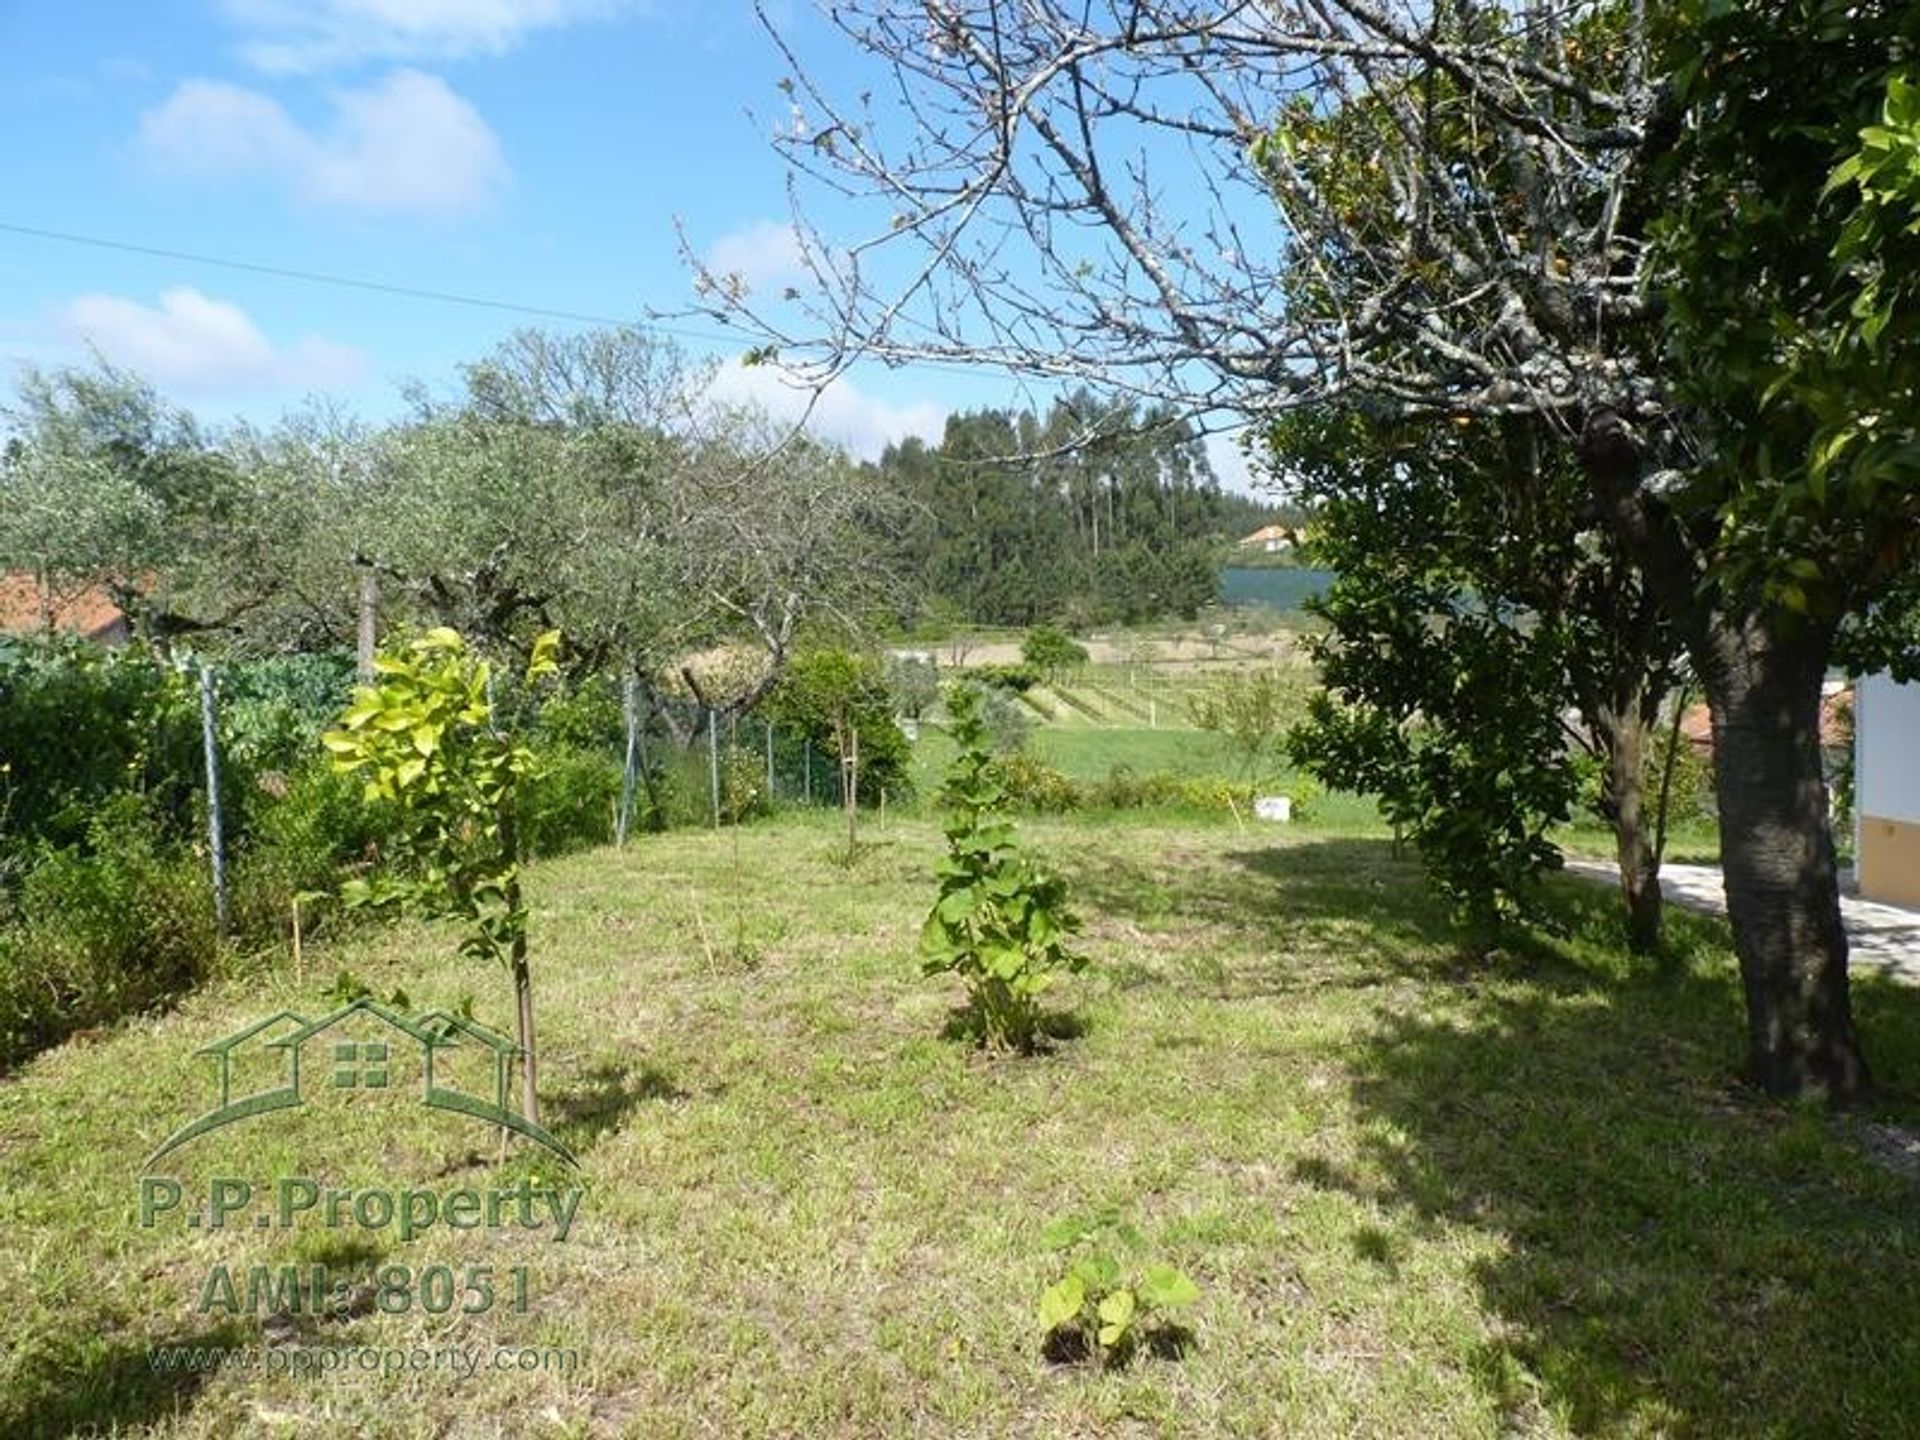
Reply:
x=1090, y=754
x=1424, y=1193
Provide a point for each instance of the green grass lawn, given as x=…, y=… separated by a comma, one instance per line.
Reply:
x=1424, y=1195
x=1089, y=754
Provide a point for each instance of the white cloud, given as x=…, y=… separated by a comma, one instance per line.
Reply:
x=763, y=255
x=193, y=342
x=304, y=36
x=844, y=414
x=404, y=143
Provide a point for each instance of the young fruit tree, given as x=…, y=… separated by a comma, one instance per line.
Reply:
x=840, y=697
x=423, y=738
x=1001, y=922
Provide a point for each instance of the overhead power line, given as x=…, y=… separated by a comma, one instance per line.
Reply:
x=411, y=292
x=348, y=282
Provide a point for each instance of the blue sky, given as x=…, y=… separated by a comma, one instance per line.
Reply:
x=533, y=152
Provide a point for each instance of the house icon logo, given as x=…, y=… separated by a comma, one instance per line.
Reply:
x=362, y=1064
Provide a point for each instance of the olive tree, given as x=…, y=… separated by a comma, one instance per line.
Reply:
x=104, y=483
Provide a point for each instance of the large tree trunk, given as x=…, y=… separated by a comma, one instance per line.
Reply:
x=1763, y=687
x=1783, y=893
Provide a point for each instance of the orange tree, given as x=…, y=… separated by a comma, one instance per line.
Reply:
x=423, y=737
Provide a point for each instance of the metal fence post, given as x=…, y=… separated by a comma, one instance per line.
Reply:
x=713, y=762
x=629, y=773
x=216, y=828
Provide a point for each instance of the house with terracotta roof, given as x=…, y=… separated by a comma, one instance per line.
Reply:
x=1696, y=726
x=30, y=606
x=1269, y=539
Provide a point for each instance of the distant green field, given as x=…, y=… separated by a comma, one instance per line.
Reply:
x=1089, y=754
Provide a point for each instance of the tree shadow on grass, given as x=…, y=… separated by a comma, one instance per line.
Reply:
x=1672, y=1253
x=1345, y=913
x=1322, y=879
x=1676, y=1254
x=599, y=1099
x=86, y=1384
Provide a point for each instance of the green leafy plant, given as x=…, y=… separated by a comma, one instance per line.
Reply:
x=1001, y=922
x=423, y=738
x=1105, y=1304
x=1052, y=651
x=838, y=699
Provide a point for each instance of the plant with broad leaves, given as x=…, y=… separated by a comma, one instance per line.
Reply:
x=424, y=738
x=1103, y=1305
x=1001, y=922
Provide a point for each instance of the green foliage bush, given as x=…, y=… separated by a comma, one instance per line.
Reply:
x=584, y=714
x=1454, y=740
x=320, y=825
x=825, y=689
x=1032, y=784
x=1001, y=922
x=103, y=928
x=1052, y=651
x=1016, y=678
x=1008, y=721
x=272, y=710
x=568, y=802
x=80, y=725
x=1125, y=789
x=913, y=685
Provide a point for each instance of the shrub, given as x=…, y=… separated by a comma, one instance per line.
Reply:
x=320, y=825
x=1017, y=678
x=1052, y=651
x=1008, y=721
x=583, y=715
x=272, y=710
x=912, y=684
x=105, y=928
x=838, y=700
x=96, y=724
x=1215, y=795
x=568, y=801
x=1000, y=921
x=1032, y=784
x=1125, y=790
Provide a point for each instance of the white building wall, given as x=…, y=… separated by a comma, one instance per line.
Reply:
x=1887, y=757
x=1887, y=790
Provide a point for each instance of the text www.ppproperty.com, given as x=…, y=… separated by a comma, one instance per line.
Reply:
x=462, y=1361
